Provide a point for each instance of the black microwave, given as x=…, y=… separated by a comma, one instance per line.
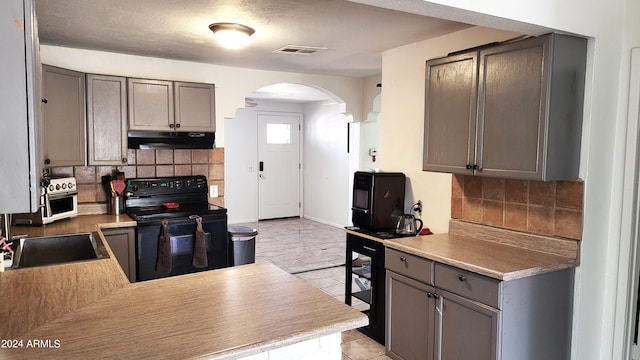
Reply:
x=378, y=199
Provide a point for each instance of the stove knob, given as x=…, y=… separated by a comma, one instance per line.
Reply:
x=64, y=186
x=134, y=188
x=146, y=185
x=57, y=186
x=51, y=188
x=70, y=185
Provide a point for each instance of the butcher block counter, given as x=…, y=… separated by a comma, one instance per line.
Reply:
x=89, y=309
x=497, y=253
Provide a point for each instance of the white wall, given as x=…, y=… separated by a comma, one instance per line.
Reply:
x=370, y=136
x=614, y=29
x=402, y=125
x=232, y=84
x=326, y=164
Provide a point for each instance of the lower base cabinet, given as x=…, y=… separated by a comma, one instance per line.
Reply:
x=410, y=317
x=122, y=244
x=436, y=311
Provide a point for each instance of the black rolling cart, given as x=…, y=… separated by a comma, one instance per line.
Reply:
x=365, y=281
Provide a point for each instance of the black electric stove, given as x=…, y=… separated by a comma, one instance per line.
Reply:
x=170, y=207
x=152, y=199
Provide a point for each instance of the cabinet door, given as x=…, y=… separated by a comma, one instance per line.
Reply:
x=410, y=318
x=63, y=116
x=107, y=119
x=467, y=329
x=450, y=113
x=194, y=107
x=150, y=105
x=20, y=101
x=512, y=103
x=122, y=244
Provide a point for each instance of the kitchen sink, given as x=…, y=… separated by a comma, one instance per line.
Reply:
x=60, y=249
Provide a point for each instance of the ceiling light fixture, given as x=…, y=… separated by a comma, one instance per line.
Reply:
x=231, y=35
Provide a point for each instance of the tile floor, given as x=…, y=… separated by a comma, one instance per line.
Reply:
x=314, y=252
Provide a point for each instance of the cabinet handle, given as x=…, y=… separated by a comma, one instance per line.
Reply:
x=171, y=126
x=47, y=161
x=469, y=167
x=403, y=259
x=124, y=160
x=177, y=126
x=44, y=101
x=429, y=295
x=368, y=248
x=436, y=296
x=461, y=277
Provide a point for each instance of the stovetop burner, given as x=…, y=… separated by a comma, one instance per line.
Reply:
x=161, y=212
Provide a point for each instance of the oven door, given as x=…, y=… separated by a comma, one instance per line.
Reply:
x=182, y=237
x=60, y=206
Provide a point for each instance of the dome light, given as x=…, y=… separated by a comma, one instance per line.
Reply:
x=231, y=35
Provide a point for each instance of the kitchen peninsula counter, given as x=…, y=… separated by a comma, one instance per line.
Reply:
x=89, y=309
x=226, y=313
x=497, y=253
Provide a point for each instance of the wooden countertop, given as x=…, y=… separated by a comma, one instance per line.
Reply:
x=94, y=312
x=497, y=253
x=224, y=313
x=79, y=224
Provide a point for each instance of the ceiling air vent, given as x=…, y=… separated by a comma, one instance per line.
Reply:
x=299, y=50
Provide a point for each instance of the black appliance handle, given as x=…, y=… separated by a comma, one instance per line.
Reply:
x=261, y=166
x=360, y=210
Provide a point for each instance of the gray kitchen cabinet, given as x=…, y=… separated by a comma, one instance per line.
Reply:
x=122, y=244
x=159, y=105
x=150, y=105
x=194, y=106
x=20, y=95
x=63, y=117
x=469, y=329
x=106, y=120
x=410, y=316
x=512, y=110
x=437, y=311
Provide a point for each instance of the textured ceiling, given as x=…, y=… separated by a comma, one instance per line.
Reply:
x=355, y=34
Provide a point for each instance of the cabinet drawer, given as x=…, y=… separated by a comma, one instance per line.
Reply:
x=409, y=265
x=467, y=284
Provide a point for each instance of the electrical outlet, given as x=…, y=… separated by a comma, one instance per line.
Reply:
x=213, y=191
x=418, y=207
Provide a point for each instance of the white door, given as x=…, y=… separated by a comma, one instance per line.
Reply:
x=278, y=165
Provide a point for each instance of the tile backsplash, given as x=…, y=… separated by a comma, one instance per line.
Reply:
x=92, y=198
x=552, y=208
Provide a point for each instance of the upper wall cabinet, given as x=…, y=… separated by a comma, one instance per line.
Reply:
x=150, y=105
x=171, y=106
x=20, y=96
x=194, y=107
x=513, y=110
x=106, y=120
x=63, y=116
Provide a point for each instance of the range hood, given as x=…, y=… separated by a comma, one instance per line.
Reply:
x=170, y=140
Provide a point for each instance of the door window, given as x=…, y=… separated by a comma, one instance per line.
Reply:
x=278, y=134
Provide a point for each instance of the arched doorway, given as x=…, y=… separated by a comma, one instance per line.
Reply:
x=324, y=159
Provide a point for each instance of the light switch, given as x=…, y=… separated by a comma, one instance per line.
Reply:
x=213, y=191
